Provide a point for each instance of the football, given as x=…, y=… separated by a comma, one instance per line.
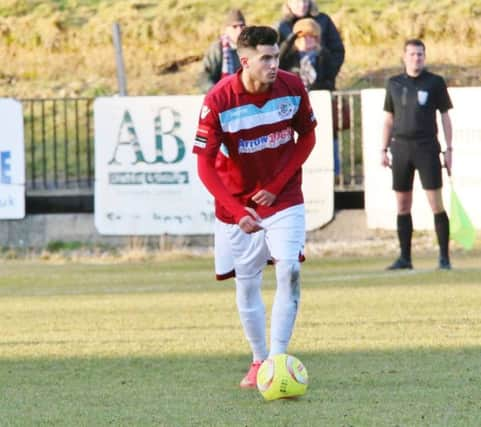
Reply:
x=282, y=376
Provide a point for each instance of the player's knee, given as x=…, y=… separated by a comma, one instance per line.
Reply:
x=248, y=288
x=288, y=275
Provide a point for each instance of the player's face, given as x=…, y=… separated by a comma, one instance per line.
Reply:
x=262, y=64
x=414, y=58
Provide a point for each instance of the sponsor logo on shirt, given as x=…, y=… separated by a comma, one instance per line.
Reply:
x=270, y=141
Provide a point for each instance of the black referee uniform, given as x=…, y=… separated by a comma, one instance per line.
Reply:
x=413, y=102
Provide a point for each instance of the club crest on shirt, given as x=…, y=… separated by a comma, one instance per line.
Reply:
x=286, y=109
x=204, y=111
x=422, y=97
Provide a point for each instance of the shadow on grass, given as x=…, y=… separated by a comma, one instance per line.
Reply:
x=435, y=387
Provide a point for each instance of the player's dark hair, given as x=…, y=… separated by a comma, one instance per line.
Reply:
x=252, y=36
x=414, y=42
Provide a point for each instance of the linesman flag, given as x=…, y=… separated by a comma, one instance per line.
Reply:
x=461, y=227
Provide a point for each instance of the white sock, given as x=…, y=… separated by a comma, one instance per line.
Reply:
x=284, y=308
x=252, y=313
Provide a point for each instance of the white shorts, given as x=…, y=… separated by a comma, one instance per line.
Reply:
x=282, y=238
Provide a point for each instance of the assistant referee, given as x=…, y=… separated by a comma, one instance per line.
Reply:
x=410, y=133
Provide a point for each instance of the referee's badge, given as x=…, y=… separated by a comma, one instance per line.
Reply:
x=422, y=97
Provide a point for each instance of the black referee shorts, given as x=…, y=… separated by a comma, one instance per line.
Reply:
x=407, y=156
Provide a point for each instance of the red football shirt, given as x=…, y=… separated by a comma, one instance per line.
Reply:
x=255, y=136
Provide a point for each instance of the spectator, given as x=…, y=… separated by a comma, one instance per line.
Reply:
x=303, y=54
x=221, y=58
x=293, y=10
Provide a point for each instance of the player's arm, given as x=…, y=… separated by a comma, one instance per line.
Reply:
x=246, y=217
x=209, y=177
x=386, y=137
x=448, y=136
x=297, y=156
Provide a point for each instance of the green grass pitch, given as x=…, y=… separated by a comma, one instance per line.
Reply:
x=160, y=344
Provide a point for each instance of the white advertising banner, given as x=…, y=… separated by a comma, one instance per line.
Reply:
x=12, y=160
x=318, y=170
x=146, y=175
x=379, y=199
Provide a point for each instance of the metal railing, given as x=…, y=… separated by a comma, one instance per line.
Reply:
x=59, y=143
x=348, y=134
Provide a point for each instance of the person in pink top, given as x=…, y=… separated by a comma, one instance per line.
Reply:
x=252, y=118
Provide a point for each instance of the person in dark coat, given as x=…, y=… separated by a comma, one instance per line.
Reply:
x=303, y=54
x=293, y=10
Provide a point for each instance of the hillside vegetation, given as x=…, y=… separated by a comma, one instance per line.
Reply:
x=64, y=47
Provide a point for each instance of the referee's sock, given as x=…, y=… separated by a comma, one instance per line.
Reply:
x=405, y=233
x=441, y=225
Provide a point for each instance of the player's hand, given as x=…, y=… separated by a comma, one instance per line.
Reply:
x=264, y=198
x=448, y=161
x=385, y=160
x=250, y=223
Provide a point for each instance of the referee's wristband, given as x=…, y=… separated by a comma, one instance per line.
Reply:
x=384, y=150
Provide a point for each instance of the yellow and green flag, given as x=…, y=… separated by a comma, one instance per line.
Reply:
x=461, y=227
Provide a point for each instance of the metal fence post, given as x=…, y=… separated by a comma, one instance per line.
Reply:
x=119, y=59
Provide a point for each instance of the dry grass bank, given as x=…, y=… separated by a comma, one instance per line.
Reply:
x=63, y=48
